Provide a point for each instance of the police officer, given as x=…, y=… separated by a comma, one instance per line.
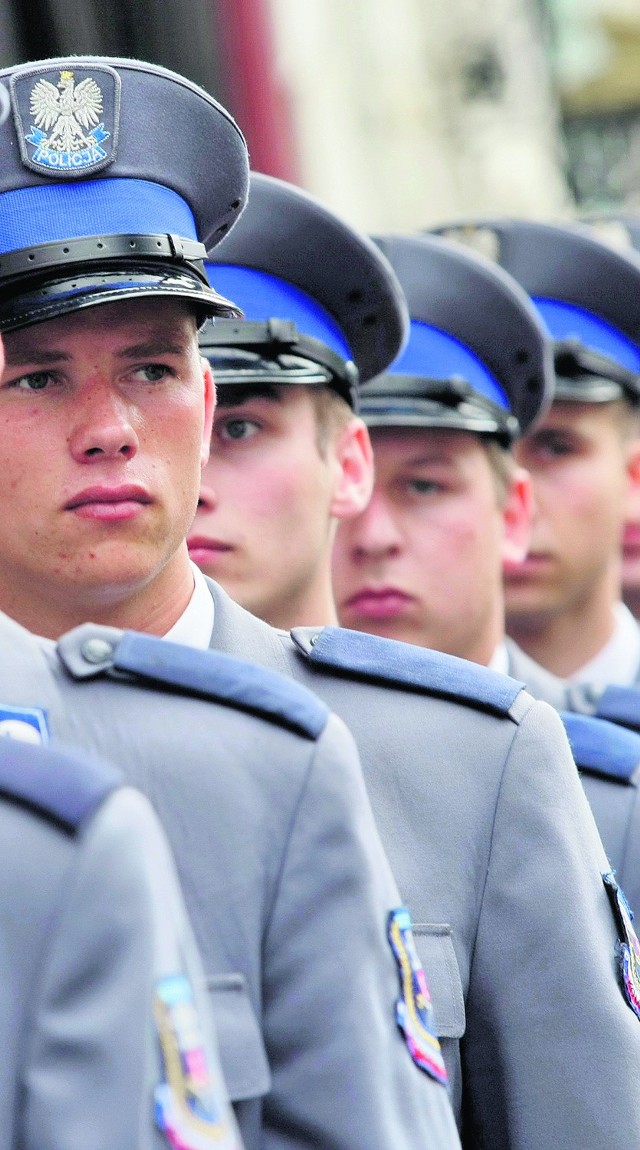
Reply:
x=564, y=605
x=472, y=784
x=622, y=231
x=105, y=196
x=450, y=508
x=105, y=1028
x=477, y=371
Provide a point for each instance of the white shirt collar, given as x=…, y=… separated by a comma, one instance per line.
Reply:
x=618, y=661
x=500, y=659
x=195, y=626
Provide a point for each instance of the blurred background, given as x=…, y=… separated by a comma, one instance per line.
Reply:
x=396, y=115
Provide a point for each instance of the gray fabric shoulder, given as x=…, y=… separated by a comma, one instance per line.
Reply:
x=354, y=654
x=90, y=650
x=59, y=786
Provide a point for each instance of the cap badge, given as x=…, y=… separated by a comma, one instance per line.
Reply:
x=62, y=119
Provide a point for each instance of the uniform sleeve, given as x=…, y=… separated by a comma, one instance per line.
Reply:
x=552, y=1049
x=120, y=951
x=342, y=1075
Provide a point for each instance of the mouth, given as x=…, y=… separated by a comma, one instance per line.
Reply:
x=378, y=603
x=204, y=550
x=631, y=541
x=535, y=563
x=109, y=504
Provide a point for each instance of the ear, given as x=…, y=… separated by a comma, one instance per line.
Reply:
x=209, y=408
x=517, y=516
x=354, y=458
x=633, y=473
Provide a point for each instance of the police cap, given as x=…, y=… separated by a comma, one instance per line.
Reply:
x=319, y=297
x=587, y=293
x=478, y=357
x=116, y=177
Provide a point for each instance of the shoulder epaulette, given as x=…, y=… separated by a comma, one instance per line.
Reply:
x=60, y=786
x=89, y=650
x=620, y=705
x=602, y=748
x=378, y=660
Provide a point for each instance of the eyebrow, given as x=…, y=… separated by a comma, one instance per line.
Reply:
x=27, y=352
x=151, y=348
x=32, y=353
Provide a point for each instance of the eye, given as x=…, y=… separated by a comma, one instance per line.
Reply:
x=419, y=486
x=237, y=428
x=552, y=445
x=35, y=381
x=151, y=372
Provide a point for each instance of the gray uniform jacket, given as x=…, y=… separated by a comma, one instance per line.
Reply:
x=94, y=937
x=287, y=887
x=496, y=853
x=609, y=775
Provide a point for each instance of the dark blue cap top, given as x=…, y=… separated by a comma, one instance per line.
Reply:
x=587, y=293
x=292, y=259
x=478, y=358
x=116, y=177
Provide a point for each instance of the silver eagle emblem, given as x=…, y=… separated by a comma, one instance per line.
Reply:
x=70, y=110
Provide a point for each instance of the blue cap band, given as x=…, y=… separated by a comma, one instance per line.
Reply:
x=49, y=212
x=568, y=321
x=262, y=296
x=437, y=355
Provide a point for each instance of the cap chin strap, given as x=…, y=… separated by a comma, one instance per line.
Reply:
x=290, y=355
x=415, y=401
x=583, y=373
x=92, y=250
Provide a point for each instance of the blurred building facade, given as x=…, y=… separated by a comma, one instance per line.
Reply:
x=397, y=116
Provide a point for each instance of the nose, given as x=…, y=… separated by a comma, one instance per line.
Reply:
x=104, y=426
x=207, y=499
x=374, y=534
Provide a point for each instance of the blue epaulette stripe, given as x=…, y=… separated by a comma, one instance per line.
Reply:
x=60, y=785
x=223, y=678
x=401, y=664
x=602, y=748
x=620, y=705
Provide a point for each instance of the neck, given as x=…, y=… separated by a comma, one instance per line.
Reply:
x=632, y=599
x=152, y=608
x=564, y=642
x=312, y=607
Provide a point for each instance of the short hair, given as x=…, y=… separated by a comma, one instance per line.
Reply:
x=502, y=464
x=332, y=414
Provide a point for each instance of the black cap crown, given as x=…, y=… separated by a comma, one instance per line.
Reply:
x=478, y=356
x=587, y=293
x=320, y=295
x=116, y=176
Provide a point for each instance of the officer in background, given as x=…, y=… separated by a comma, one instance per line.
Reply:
x=564, y=605
x=450, y=505
x=622, y=231
x=105, y=196
x=464, y=770
x=450, y=508
x=105, y=1028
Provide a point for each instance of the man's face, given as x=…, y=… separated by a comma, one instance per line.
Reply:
x=103, y=429
x=423, y=562
x=264, y=524
x=578, y=463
